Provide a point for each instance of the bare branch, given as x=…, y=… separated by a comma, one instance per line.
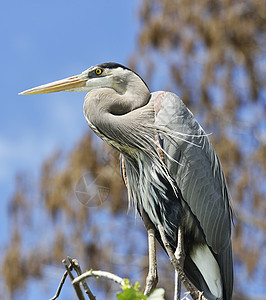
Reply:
x=76, y=287
x=60, y=286
x=75, y=265
x=96, y=274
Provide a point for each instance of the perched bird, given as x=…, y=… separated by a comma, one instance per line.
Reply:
x=173, y=175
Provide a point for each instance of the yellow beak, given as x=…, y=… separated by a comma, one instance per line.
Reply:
x=69, y=83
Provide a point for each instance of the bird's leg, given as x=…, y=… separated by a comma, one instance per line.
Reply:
x=152, y=277
x=179, y=252
x=177, y=292
x=180, y=256
x=194, y=292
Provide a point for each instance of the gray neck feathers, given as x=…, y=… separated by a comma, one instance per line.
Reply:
x=120, y=115
x=132, y=132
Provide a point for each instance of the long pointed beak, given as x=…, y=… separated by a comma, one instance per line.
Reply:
x=70, y=83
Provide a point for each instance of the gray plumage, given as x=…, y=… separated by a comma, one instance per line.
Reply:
x=190, y=185
x=200, y=178
x=173, y=174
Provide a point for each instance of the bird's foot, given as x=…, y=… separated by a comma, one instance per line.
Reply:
x=151, y=282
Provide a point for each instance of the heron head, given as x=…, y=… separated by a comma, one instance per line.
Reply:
x=106, y=75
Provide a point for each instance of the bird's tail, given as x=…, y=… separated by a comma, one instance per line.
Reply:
x=203, y=270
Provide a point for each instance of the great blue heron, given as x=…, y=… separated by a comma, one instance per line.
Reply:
x=174, y=177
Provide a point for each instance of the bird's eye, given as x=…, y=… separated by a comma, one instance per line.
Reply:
x=98, y=71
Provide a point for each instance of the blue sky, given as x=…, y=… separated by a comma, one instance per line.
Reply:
x=48, y=42
x=42, y=41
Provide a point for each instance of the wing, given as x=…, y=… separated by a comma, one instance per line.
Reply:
x=194, y=165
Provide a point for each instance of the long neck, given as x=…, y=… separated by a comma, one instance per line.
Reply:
x=127, y=95
x=118, y=117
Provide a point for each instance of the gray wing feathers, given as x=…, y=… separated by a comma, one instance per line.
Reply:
x=196, y=169
x=225, y=262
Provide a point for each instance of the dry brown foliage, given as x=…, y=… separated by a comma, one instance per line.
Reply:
x=212, y=57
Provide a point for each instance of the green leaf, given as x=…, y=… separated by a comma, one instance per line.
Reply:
x=131, y=292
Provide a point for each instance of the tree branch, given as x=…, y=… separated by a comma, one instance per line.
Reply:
x=96, y=274
x=76, y=287
x=75, y=265
x=63, y=279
